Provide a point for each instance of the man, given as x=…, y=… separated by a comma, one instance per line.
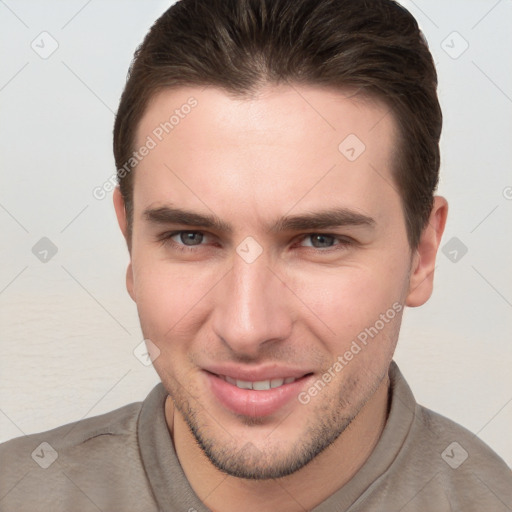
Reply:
x=277, y=162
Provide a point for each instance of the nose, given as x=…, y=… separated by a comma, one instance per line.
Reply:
x=251, y=308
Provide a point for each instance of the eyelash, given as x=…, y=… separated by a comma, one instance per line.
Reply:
x=165, y=239
x=343, y=241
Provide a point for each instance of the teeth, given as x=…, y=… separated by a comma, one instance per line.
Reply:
x=275, y=383
x=243, y=384
x=260, y=385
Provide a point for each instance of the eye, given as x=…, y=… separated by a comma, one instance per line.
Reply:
x=188, y=238
x=187, y=242
x=319, y=241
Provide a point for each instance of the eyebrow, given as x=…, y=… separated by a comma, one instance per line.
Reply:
x=331, y=218
x=171, y=215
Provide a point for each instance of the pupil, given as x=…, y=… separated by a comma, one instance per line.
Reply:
x=191, y=238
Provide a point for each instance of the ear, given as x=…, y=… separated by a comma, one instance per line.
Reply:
x=120, y=212
x=123, y=225
x=424, y=259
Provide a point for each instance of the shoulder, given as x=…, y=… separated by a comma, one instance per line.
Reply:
x=459, y=445
x=120, y=423
x=450, y=461
x=430, y=462
x=72, y=463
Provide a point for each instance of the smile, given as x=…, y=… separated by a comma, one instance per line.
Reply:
x=259, y=385
x=257, y=398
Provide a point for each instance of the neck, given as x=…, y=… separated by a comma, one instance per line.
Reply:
x=304, y=489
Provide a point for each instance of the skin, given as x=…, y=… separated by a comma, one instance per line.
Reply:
x=252, y=162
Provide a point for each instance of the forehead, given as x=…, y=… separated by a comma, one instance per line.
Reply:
x=282, y=148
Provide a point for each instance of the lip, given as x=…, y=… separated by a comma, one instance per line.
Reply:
x=252, y=403
x=255, y=374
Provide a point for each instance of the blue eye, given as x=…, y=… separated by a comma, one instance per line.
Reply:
x=189, y=238
x=319, y=241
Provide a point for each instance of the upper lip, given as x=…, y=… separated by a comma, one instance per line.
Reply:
x=256, y=374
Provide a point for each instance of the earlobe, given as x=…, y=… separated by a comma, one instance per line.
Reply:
x=424, y=259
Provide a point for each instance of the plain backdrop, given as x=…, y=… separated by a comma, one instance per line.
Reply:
x=68, y=328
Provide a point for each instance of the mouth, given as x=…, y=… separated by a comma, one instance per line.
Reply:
x=257, y=398
x=259, y=385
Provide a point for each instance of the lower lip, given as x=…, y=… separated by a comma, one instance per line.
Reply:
x=252, y=403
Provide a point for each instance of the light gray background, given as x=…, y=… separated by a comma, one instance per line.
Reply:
x=68, y=327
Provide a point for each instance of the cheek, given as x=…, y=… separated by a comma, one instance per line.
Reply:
x=347, y=300
x=169, y=297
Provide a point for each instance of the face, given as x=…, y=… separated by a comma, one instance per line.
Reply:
x=270, y=266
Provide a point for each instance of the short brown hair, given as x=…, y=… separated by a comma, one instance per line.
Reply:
x=240, y=45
